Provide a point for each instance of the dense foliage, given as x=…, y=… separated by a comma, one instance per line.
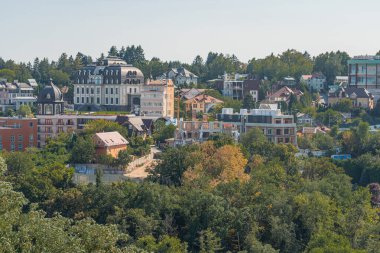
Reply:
x=219, y=196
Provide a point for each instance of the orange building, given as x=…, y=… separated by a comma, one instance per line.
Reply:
x=201, y=103
x=17, y=134
x=109, y=143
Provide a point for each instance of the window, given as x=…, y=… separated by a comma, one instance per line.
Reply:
x=82, y=100
x=117, y=101
x=87, y=91
x=106, y=101
x=135, y=90
x=77, y=89
x=87, y=100
x=111, y=101
x=98, y=90
x=12, y=147
x=92, y=90
x=30, y=124
x=269, y=131
x=106, y=90
x=31, y=138
x=286, y=131
x=77, y=100
x=278, y=131
x=20, y=137
x=82, y=90
x=20, y=146
x=116, y=91
x=111, y=90
x=98, y=100
x=130, y=90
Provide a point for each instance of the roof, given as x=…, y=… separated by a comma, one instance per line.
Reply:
x=110, y=139
x=312, y=130
x=251, y=84
x=205, y=98
x=137, y=123
x=351, y=92
x=159, y=82
x=268, y=106
x=50, y=94
x=285, y=92
x=190, y=93
x=360, y=92
x=182, y=72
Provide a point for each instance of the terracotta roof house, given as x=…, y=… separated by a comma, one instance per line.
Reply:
x=360, y=97
x=190, y=93
x=283, y=94
x=201, y=103
x=109, y=143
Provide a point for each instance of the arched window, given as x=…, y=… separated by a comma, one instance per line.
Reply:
x=48, y=109
x=134, y=73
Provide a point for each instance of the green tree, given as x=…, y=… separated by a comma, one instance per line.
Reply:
x=24, y=111
x=83, y=150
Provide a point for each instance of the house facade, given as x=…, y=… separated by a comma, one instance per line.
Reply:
x=201, y=103
x=109, y=143
x=180, y=76
x=111, y=85
x=157, y=98
x=284, y=94
x=15, y=94
x=315, y=82
x=364, y=72
x=360, y=97
x=17, y=134
x=277, y=127
x=238, y=86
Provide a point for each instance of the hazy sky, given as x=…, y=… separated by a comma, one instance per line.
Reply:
x=179, y=29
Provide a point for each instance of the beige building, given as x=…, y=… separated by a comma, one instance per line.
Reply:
x=109, y=143
x=201, y=103
x=157, y=98
x=359, y=97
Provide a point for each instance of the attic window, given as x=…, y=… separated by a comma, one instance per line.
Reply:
x=48, y=96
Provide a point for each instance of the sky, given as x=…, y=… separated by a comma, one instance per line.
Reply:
x=182, y=29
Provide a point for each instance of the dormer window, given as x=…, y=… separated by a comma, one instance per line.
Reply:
x=48, y=96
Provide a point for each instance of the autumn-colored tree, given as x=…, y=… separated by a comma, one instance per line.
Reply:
x=221, y=165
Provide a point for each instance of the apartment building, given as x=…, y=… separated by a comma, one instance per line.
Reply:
x=315, y=82
x=17, y=134
x=364, y=72
x=15, y=94
x=238, y=86
x=157, y=98
x=277, y=127
x=111, y=85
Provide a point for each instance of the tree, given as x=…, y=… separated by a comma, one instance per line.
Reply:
x=122, y=160
x=24, y=111
x=162, y=131
x=209, y=242
x=7, y=74
x=113, y=51
x=83, y=150
x=248, y=102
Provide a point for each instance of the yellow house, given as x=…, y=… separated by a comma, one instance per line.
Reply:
x=201, y=103
x=109, y=143
x=360, y=97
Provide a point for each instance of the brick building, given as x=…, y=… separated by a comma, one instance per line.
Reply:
x=109, y=143
x=17, y=134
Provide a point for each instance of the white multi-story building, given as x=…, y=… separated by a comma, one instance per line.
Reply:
x=111, y=85
x=238, y=86
x=180, y=76
x=157, y=98
x=277, y=127
x=315, y=82
x=15, y=94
